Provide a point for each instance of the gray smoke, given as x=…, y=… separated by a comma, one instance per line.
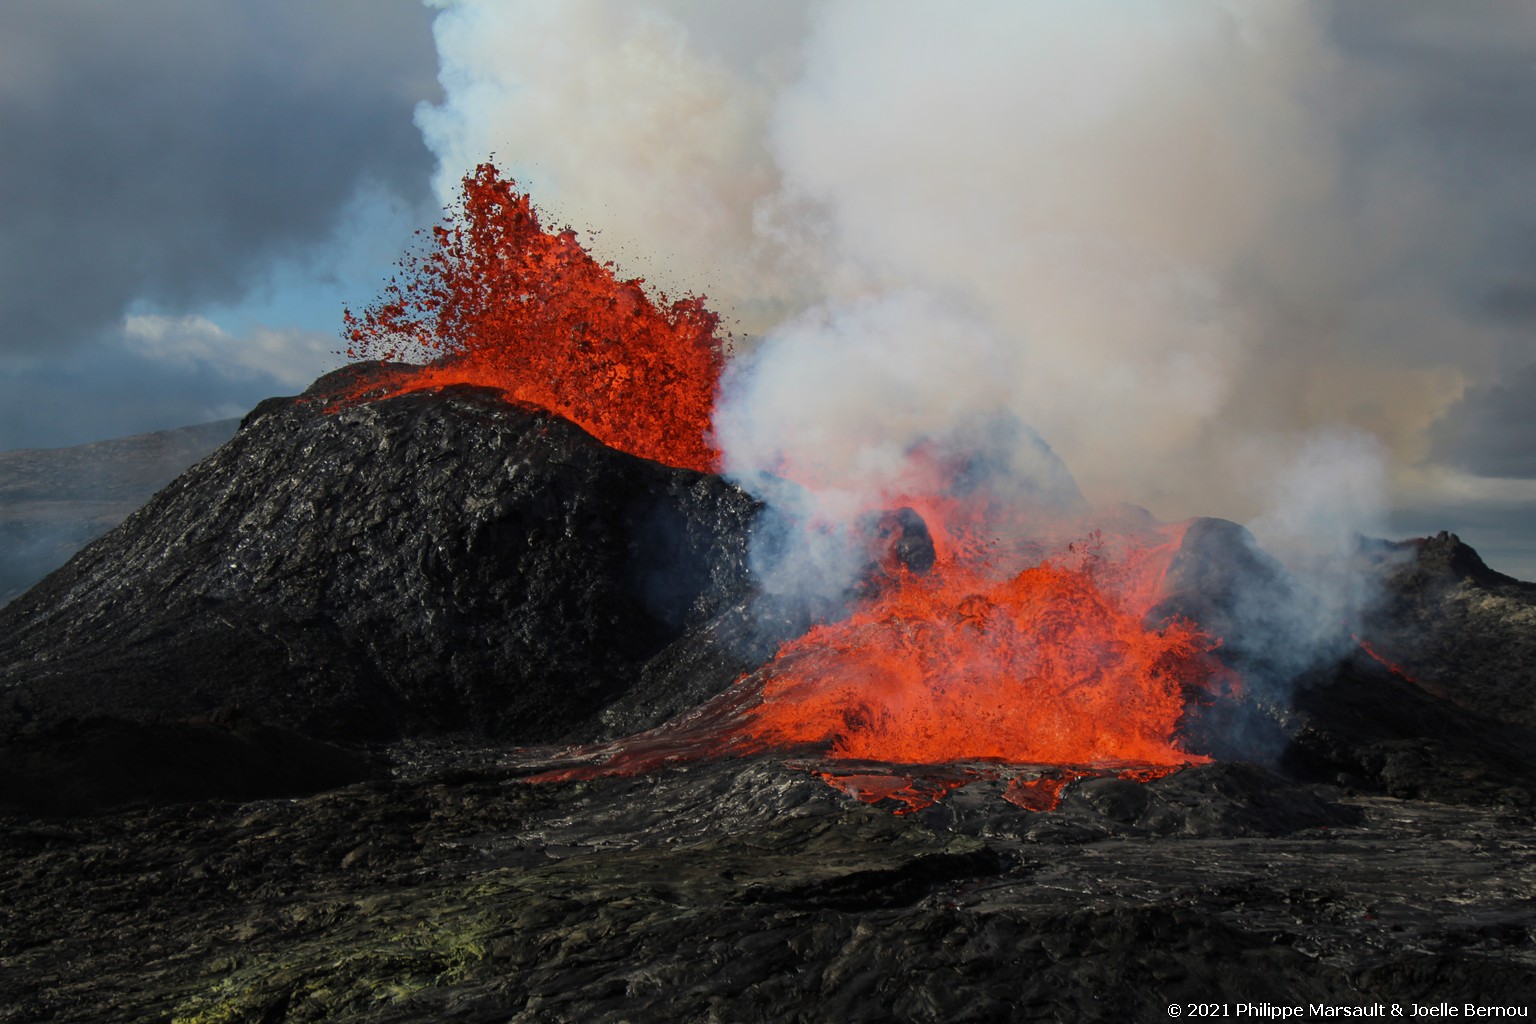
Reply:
x=1213, y=254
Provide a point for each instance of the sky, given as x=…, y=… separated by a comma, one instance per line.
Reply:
x=1273, y=260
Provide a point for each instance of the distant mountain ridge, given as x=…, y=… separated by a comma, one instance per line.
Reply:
x=54, y=501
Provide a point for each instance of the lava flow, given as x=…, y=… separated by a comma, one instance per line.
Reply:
x=1050, y=665
x=963, y=673
x=500, y=301
x=1032, y=651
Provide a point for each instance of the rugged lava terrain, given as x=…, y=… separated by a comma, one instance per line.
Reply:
x=751, y=891
x=265, y=753
x=429, y=563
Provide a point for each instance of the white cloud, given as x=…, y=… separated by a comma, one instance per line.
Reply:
x=290, y=356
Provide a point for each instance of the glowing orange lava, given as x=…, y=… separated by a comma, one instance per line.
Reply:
x=1043, y=793
x=1016, y=646
x=1381, y=660
x=913, y=793
x=498, y=300
x=1053, y=664
x=938, y=674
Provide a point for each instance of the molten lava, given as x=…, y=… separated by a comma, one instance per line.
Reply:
x=1010, y=647
x=912, y=792
x=1051, y=665
x=499, y=301
x=940, y=674
x=1042, y=793
x=1376, y=656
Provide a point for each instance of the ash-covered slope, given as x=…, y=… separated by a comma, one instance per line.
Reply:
x=425, y=563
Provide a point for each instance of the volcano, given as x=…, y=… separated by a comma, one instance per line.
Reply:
x=422, y=564
x=466, y=691
x=411, y=607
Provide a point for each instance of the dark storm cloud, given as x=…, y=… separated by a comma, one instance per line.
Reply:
x=168, y=151
x=1492, y=430
x=1456, y=99
x=1453, y=104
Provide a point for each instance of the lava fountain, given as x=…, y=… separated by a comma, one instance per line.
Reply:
x=1052, y=664
x=498, y=300
x=985, y=655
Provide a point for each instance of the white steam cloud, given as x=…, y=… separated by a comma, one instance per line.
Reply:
x=842, y=394
x=1151, y=232
x=288, y=355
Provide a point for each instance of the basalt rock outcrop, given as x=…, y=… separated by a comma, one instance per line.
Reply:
x=1432, y=698
x=1460, y=629
x=424, y=564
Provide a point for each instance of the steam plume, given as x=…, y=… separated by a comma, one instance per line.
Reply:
x=1167, y=237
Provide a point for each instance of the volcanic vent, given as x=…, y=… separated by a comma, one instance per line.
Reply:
x=973, y=651
x=423, y=580
x=499, y=301
x=519, y=539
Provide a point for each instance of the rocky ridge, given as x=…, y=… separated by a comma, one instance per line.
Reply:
x=265, y=755
x=424, y=564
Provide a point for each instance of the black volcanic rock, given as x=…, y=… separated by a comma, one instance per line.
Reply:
x=1445, y=709
x=74, y=767
x=1459, y=629
x=450, y=562
x=1236, y=591
x=748, y=890
x=1442, y=703
x=443, y=561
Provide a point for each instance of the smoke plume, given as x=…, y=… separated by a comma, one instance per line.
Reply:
x=1201, y=250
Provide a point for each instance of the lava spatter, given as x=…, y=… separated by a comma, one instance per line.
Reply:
x=499, y=300
x=1010, y=646
x=1053, y=664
